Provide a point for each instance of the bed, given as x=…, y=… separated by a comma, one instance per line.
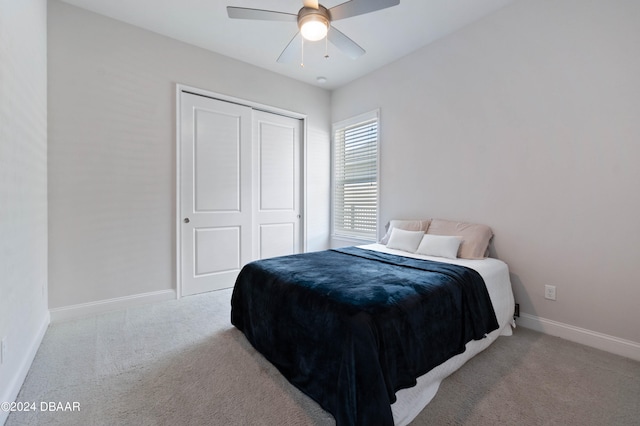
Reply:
x=369, y=332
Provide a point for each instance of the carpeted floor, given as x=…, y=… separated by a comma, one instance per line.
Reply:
x=182, y=363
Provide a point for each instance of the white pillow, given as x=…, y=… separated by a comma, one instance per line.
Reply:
x=439, y=245
x=405, y=240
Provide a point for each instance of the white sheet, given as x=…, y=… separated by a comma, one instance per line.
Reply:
x=410, y=402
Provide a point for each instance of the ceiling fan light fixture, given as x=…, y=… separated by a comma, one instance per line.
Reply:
x=313, y=24
x=313, y=30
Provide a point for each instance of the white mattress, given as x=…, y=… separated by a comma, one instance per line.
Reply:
x=495, y=273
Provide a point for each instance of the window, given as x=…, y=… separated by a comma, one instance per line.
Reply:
x=355, y=177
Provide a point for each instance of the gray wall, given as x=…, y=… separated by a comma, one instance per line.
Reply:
x=527, y=121
x=112, y=149
x=23, y=187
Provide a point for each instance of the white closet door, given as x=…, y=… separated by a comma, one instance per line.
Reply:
x=276, y=195
x=215, y=193
x=240, y=190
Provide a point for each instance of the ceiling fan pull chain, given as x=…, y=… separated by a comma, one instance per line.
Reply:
x=302, y=53
x=326, y=47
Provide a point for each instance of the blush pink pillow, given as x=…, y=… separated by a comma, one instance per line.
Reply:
x=475, y=237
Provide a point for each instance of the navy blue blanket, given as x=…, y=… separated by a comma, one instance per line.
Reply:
x=349, y=327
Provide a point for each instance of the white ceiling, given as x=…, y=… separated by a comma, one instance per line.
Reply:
x=386, y=35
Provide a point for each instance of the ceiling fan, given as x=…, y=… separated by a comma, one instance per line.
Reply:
x=314, y=22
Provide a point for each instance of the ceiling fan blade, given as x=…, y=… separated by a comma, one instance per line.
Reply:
x=259, y=14
x=311, y=3
x=359, y=7
x=344, y=43
x=289, y=52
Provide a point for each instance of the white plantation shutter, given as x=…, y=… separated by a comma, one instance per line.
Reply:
x=355, y=177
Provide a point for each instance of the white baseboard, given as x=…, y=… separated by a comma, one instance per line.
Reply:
x=94, y=308
x=615, y=345
x=21, y=373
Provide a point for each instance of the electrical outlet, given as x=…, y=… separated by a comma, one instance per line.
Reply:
x=550, y=292
x=3, y=350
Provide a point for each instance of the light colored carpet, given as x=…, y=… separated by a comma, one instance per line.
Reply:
x=182, y=363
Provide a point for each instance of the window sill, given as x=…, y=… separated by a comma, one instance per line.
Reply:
x=337, y=241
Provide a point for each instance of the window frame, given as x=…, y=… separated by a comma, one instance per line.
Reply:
x=341, y=125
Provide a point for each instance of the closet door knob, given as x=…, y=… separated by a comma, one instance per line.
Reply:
x=186, y=220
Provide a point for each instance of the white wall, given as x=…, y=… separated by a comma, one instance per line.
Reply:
x=112, y=150
x=527, y=121
x=23, y=188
